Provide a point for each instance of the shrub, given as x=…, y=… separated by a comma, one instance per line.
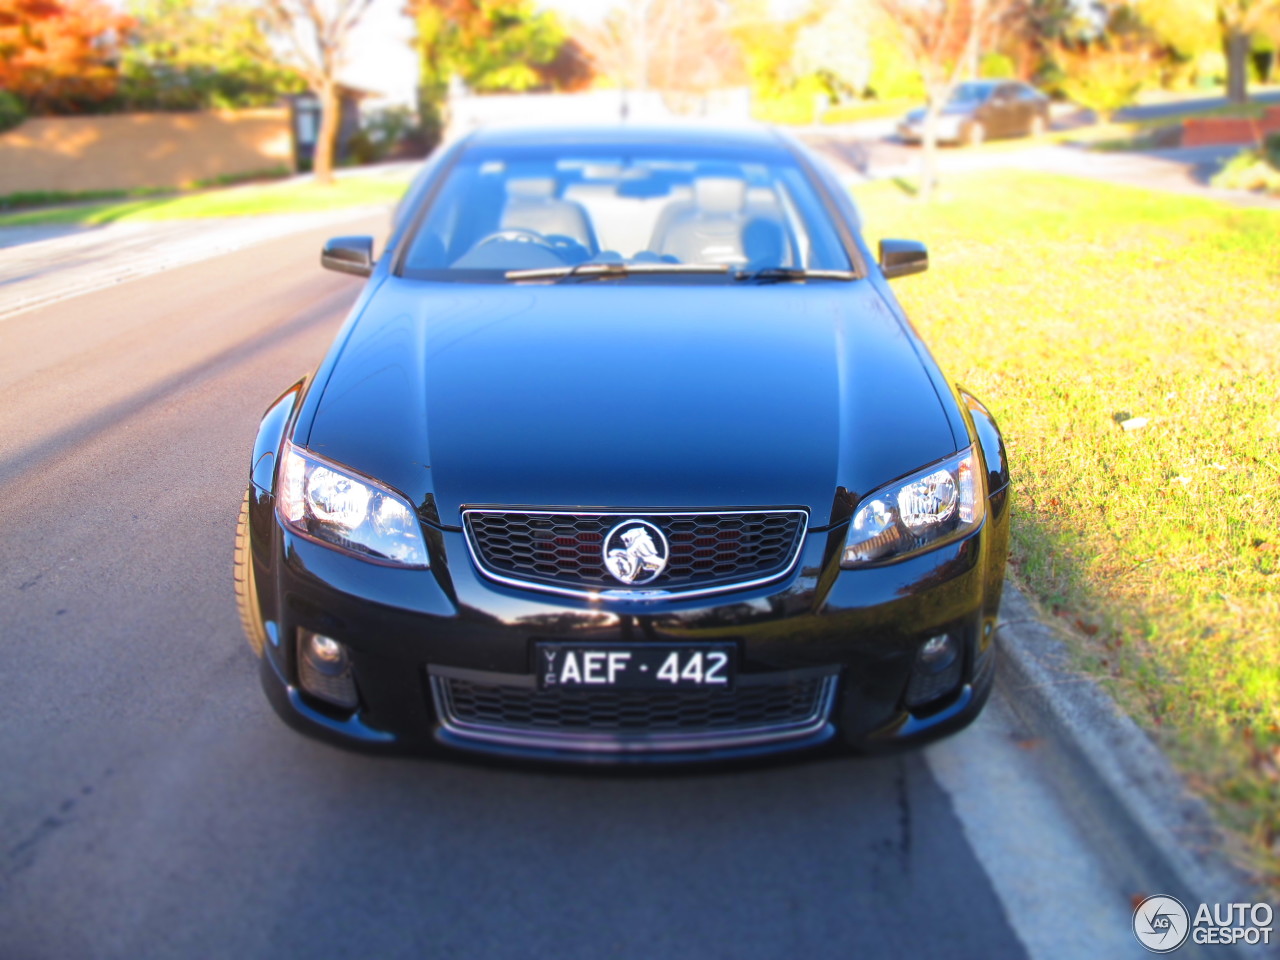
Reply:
x=797, y=105
x=996, y=66
x=384, y=134
x=1253, y=169
x=867, y=110
x=12, y=111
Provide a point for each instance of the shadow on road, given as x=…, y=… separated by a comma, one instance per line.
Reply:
x=25, y=461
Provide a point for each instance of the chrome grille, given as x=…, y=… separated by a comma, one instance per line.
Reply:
x=522, y=715
x=565, y=550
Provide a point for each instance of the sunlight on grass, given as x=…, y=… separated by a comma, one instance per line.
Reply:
x=258, y=200
x=1071, y=307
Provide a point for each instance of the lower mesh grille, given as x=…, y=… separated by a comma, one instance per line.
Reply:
x=653, y=719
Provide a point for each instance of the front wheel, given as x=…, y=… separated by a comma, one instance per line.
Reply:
x=242, y=579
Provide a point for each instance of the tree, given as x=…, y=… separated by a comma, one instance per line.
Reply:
x=780, y=82
x=1031, y=31
x=675, y=45
x=492, y=45
x=939, y=37
x=317, y=32
x=197, y=54
x=1184, y=24
x=834, y=44
x=1104, y=76
x=58, y=56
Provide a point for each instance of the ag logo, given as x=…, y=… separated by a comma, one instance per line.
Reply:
x=1161, y=924
x=635, y=551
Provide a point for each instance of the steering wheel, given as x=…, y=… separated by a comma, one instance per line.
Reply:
x=516, y=235
x=568, y=248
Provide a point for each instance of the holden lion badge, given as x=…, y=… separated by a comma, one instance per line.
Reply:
x=635, y=552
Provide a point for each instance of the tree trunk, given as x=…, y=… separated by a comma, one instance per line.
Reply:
x=327, y=138
x=929, y=150
x=1236, y=45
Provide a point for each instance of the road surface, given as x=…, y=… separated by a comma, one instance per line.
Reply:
x=151, y=805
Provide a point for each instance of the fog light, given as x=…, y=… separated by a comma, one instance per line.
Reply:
x=324, y=670
x=327, y=650
x=937, y=670
x=937, y=654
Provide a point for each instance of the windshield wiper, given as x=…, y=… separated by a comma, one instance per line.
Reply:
x=791, y=274
x=594, y=270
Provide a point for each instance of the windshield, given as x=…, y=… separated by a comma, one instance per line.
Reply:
x=539, y=210
x=970, y=93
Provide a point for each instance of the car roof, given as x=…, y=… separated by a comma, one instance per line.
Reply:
x=747, y=138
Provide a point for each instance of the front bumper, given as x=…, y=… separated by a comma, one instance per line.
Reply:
x=948, y=132
x=418, y=637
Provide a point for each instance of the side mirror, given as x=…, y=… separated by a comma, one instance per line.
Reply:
x=352, y=255
x=901, y=258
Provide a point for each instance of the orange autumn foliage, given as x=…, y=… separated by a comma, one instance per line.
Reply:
x=59, y=55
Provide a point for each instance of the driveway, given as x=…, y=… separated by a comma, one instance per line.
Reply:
x=1185, y=170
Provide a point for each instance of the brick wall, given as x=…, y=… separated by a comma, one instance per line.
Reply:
x=1208, y=131
x=126, y=151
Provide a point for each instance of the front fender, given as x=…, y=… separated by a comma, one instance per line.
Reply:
x=982, y=426
x=990, y=442
x=271, y=432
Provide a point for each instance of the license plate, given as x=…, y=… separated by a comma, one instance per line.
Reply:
x=572, y=666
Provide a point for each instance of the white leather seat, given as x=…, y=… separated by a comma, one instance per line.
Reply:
x=710, y=229
x=532, y=205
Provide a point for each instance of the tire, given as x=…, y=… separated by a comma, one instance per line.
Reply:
x=242, y=579
x=1038, y=126
x=974, y=133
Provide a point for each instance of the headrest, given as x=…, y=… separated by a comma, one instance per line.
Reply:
x=532, y=188
x=719, y=195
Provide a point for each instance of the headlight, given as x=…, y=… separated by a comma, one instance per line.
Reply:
x=938, y=504
x=326, y=502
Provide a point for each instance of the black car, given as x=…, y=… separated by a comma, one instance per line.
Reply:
x=626, y=452
x=984, y=109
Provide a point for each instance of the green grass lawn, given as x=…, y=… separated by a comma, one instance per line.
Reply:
x=289, y=197
x=1071, y=307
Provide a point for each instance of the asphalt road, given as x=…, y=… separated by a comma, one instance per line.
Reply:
x=151, y=805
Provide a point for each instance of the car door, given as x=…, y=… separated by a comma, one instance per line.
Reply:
x=1022, y=108
x=1000, y=109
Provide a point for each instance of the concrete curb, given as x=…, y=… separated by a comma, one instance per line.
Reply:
x=1151, y=832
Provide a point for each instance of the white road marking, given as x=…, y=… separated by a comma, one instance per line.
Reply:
x=1058, y=899
x=52, y=268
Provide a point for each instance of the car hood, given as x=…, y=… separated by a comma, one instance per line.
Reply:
x=629, y=396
